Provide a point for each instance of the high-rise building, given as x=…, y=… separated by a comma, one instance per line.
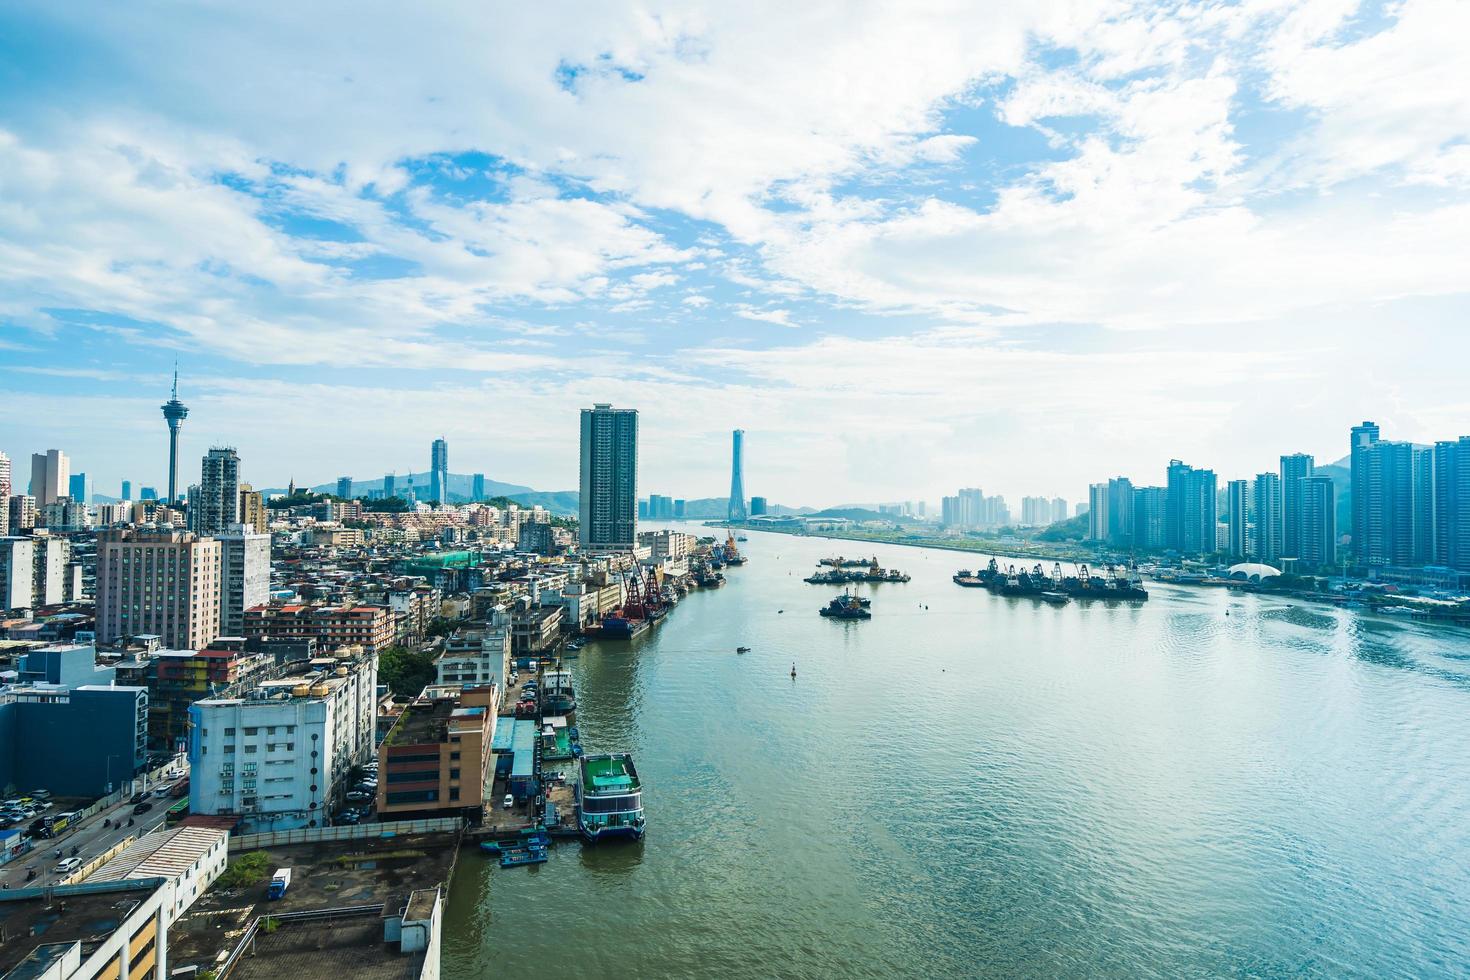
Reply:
x=161, y=582
x=1452, y=503
x=22, y=512
x=245, y=576
x=679, y=508
x=757, y=506
x=1266, y=501
x=1361, y=440
x=148, y=493
x=608, y=508
x=174, y=413
x=50, y=476
x=79, y=488
x=1317, y=536
x=1097, y=512
x=219, y=493
x=1190, y=509
x=390, y=485
x=344, y=487
x=439, y=471
x=1294, y=469
x=1120, y=512
x=1058, y=509
x=127, y=490
x=1422, y=502
x=17, y=572
x=1148, y=517
x=477, y=486
x=1237, y=515
x=1388, y=503
x=252, y=509
x=737, y=511
x=4, y=495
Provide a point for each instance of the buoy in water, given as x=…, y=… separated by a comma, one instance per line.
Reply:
x=793, y=671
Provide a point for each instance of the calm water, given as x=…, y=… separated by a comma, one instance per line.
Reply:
x=992, y=786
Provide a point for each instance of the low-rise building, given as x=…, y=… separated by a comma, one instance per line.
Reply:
x=475, y=657
x=370, y=627
x=112, y=930
x=436, y=760
x=188, y=859
x=535, y=628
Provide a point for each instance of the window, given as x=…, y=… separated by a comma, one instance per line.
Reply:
x=229, y=731
x=454, y=755
x=454, y=792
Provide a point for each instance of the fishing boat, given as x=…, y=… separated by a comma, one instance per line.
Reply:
x=609, y=797
x=742, y=649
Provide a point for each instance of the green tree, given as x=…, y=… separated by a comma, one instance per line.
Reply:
x=405, y=671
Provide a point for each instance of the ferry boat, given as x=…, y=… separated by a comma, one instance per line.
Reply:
x=609, y=797
x=557, y=696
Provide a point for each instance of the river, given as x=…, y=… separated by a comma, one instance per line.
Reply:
x=968, y=785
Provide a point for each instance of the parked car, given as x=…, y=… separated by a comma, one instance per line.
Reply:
x=41, y=794
x=143, y=807
x=67, y=866
x=139, y=797
x=357, y=797
x=509, y=801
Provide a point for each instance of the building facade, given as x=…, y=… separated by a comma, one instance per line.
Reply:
x=219, y=492
x=1295, y=468
x=370, y=627
x=737, y=510
x=439, y=472
x=436, y=760
x=160, y=582
x=1266, y=504
x=1317, y=534
x=245, y=576
x=1190, y=509
x=50, y=476
x=609, y=479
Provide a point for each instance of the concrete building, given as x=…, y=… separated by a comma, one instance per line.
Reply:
x=1237, y=516
x=1387, y=471
x=17, y=573
x=75, y=741
x=219, y=492
x=111, y=930
x=188, y=859
x=370, y=627
x=439, y=472
x=49, y=585
x=344, y=487
x=278, y=757
x=22, y=513
x=5, y=487
x=253, y=513
x=1317, y=535
x=1190, y=509
x=1097, y=511
x=245, y=576
x=436, y=760
x=1294, y=469
x=1267, y=506
x=50, y=476
x=757, y=507
x=1148, y=517
x=79, y=488
x=1452, y=503
x=1360, y=440
x=609, y=479
x=161, y=582
x=477, y=657
x=127, y=490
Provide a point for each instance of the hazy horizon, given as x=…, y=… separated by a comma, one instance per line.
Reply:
x=906, y=251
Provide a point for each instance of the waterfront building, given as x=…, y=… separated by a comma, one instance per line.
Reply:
x=477, y=657
x=279, y=756
x=332, y=627
x=1317, y=535
x=1361, y=439
x=1422, y=504
x=437, y=758
x=477, y=486
x=1120, y=512
x=1190, y=509
x=608, y=508
x=1148, y=517
x=439, y=471
x=1266, y=503
x=245, y=576
x=1097, y=512
x=1451, y=501
x=757, y=507
x=219, y=493
x=1238, y=501
x=344, y=487
x=1387, y=510
x=737, y=510
x=79, y=488
x=174, y=412
x=158, y=582
x=50, y=476
x=1294, y=469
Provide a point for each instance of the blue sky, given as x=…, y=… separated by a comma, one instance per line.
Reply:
x=1023, y=247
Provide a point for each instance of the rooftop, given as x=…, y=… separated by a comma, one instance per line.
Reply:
x=30, y=921
x=328, y=949
x=423, y=722
x=164, y=855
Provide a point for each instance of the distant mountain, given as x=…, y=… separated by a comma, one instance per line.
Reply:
x=460, y=487
x=562, y=503
x=862, y=514
x=718, y=508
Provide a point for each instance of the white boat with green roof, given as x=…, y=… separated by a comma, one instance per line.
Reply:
x=609, y=797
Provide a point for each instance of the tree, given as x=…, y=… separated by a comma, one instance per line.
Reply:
x=405, y=671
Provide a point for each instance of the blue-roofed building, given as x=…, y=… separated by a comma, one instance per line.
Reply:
x=523, y=761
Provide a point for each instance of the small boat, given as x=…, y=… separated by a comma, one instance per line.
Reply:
x=490, y=847
x=515, y=857
x=742, y=649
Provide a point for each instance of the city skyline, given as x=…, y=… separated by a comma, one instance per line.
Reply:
x=997, y=255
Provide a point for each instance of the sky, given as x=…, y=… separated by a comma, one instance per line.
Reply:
x=906, y=247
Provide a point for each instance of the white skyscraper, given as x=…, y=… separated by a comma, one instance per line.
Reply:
x=4, y=495
x=245, y=576
x=50, y=476
x=609, y=486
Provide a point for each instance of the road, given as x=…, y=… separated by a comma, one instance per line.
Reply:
x=91, y=837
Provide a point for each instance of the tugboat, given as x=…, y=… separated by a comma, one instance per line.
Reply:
x=845, y=607
x=609, y=797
